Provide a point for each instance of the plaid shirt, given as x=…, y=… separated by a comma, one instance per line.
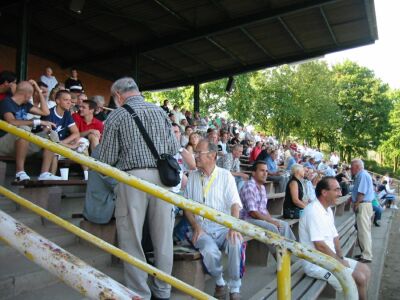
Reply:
x=254, y=198
x=122, y=143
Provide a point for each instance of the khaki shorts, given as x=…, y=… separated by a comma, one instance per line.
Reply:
x=7, y=145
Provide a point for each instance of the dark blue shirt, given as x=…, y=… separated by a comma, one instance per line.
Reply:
x=63, y=123
x=20, y=112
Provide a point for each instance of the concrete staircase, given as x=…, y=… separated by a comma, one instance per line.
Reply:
x=21, y=278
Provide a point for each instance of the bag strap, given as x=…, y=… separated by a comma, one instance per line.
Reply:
x=142, y=130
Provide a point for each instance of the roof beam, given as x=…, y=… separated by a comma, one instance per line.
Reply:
x=328, y=25
x=195, y=59
x=256, y=66
x=211, y=30
x=173, y=13
x=164, y=64
x=77, y=19
x=289, y=31
x=266, y=52
x=226, y=51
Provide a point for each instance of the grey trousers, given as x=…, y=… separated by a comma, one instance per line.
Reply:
x=210, y=246
x=281, y=180
x=131, y=208
x=284, y=231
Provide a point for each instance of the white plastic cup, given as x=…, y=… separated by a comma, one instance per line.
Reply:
x=86, y=174
x=64, y=173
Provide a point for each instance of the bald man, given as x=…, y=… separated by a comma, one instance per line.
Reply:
x=14, y=110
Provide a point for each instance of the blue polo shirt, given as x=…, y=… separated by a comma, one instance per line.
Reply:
x=363, y=184
x=271, y=165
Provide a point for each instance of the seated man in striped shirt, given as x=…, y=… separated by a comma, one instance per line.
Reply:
x=216, y=188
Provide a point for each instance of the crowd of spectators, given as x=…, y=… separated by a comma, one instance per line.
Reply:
x=208, y=151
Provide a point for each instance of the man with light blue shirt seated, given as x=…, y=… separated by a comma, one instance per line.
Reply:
x=362, y=196
x=274, y=174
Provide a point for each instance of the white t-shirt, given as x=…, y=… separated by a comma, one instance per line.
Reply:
x=316, y=224
x=334, y=159
x=222, y=194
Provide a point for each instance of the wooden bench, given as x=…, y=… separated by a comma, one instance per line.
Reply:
x=275, y=203
x=46, y=193
x=304, y=287
x=341, y=206
x=32, y=161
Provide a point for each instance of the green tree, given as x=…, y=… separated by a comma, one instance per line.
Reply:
x=365, y=107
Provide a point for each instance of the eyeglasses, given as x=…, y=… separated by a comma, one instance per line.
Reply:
x=197, y=154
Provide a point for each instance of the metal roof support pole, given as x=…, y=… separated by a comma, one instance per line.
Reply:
x=23, y=45
x=196, y=97
x=135, y=67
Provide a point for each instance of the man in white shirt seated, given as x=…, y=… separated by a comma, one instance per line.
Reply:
x=317, y=230
x=216, y=188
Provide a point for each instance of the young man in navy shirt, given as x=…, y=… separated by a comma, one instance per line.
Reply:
x=65, y=127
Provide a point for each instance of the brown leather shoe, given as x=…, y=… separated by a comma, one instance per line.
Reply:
x=220, y=292
x=234, y=296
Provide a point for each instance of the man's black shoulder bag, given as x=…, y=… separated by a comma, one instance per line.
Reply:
x=167, y=166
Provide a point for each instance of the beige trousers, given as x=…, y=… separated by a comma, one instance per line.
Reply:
x=131, y=208
x=363, y=219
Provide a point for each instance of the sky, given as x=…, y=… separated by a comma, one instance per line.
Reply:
x=383, y=57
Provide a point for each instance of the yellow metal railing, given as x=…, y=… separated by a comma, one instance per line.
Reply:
x=285, y=246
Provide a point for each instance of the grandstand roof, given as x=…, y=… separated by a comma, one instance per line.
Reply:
x=178, y=43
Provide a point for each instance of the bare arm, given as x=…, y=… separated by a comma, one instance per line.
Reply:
x=9, y=118
x=73, y=137
x=44, y=109
x=267, y=217
x=323, y=247
x=197, y=230
x=188, y=159
x=232, y=234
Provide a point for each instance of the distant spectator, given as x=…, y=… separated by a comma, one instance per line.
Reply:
x=194, y=139
x=188, y=116
x=165, y=106
x=49, y=79
x=81, y=97
x=223, y=143
x=212, y=136
x=255, y=152
x=99, y=113
x=274, y=174
x=73, y=84
x=183, y=124
x=334, y=159
x=235, y=139
x=75, y=106
x=8, y=84
x=185, y=136
x=171, y=117
x=231, y=162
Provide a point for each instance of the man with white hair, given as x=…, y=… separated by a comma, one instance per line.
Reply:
x=123, y=146
x=362, y=196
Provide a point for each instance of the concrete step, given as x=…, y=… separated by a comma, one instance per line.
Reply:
x=54, y=233
x=61, y=291
x=7, y=205
x=19, y=275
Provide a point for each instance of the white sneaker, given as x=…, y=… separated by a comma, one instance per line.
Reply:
x=22, y=176
x=394, y=206
x=49, y=176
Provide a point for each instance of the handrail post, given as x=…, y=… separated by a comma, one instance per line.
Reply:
x=283, y=274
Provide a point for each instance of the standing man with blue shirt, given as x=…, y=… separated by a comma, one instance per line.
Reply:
x=362, y=196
